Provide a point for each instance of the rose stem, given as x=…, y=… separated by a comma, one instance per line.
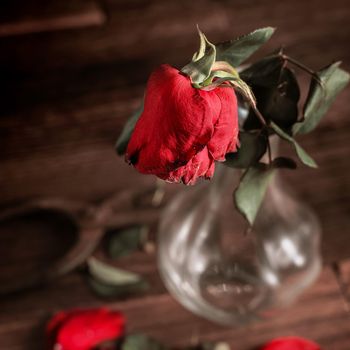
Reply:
x=258, y=114
x=269, y=150
x=301, y=66
x=263, y=122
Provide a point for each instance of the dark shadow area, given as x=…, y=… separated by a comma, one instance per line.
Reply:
x=33, y=241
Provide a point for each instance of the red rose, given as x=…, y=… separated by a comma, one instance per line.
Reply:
x=83, y=329
x=291, y=343
x=183, y=130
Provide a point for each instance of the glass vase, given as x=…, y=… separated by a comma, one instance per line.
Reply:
x=216, y=267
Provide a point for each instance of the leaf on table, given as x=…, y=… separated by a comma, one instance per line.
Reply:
x=252, y=148
x=108, y=291
x=302, y=154
x=321, y=96
x=110, y=275
x=236, y=51
x=124, y=241
x=109, y=281
x=251, y=191
x=123, y=139
x=141, y=342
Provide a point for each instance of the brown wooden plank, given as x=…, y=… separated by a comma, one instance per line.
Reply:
x=319, y=315
x=67, y=159
x=64, y=98
x=146, y=29
x=18, y=18
x=342, y=272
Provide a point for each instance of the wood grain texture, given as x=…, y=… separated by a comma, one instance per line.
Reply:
x=342, y=272
x=64, y=98
x=18, y=17
x=318, y=315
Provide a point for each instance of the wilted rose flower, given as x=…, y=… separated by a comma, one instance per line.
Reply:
x=291, y=343
x=83, y=329
x=183, y=130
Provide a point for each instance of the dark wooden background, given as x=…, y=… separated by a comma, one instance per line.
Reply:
x=72, y=71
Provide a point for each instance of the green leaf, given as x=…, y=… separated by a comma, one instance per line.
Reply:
x=303, y=156
x=251, y=191
x=236, y=51
x=276, y=90
x=284, y=162
x=202, y=46
x=241, y=87
x=252, y=148
x=237, y=83
x=123, y=139
x=141, y=342
x=110, y=275
x=321, y=96
x=281, y=103
x=265, y=72
x=200, y=67
x=104, y=290
x=124, y=241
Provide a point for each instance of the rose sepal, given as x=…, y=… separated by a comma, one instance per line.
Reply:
x=200, y=67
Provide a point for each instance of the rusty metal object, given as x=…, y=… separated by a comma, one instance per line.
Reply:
x=120, y=210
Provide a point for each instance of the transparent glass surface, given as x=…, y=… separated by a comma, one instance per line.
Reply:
x=217, y=268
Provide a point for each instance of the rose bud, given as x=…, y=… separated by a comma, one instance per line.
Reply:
x=291, y=343
x=83, y=329
x=183, y=130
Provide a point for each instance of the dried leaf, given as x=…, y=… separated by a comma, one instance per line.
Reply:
x=124, y=241
x=303, y=156
x=200, y=67
x=117, y=291
x=236, y=51
x=251, y=191
x=284, y=162
x=109, y=274
x=252, y=148
x=123, y=139
x=321, y=96
x=276, y=90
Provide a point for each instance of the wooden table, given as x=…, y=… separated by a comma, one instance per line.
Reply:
x=71, y=75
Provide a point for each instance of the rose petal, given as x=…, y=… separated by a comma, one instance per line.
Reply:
x=84, y=329
x=291, y=343
x=182, y=130
x=175, y=125
x=225, y=137
x=201, y=165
